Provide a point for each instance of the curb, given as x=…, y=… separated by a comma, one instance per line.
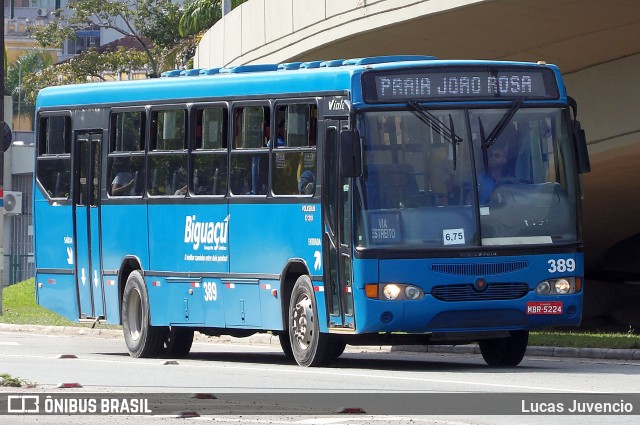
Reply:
x=268, y=339
x=532, y=351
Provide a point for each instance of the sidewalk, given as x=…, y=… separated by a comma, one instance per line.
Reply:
x=267, y=339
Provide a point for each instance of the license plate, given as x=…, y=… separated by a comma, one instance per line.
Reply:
x=544, y=307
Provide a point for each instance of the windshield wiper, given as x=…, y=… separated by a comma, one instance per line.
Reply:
x=435, y=124
x=497, y=130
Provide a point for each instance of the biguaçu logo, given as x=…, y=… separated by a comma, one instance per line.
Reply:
x=212, y=235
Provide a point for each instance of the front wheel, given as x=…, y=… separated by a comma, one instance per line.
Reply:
x=142, y=339
x=309, y=346
x=285, y=343
x=508, y=351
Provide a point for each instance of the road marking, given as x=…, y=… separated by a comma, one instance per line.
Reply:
x=9, y=343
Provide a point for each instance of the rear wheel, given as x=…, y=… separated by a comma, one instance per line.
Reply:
x=142, y=339
x=308, y=345
x=505, y=351
x=178, y=341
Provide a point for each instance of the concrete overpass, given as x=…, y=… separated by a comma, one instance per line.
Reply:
x=594, y=42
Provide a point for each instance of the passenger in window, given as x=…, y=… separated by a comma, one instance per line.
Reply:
x=180, y=182
x=123, y=181
x=281, y=132
x=307, y=183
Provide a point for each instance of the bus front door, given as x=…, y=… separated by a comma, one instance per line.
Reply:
x=86, y=198
x=337, y=234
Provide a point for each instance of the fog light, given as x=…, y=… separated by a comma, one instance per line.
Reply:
x=391, y=292
x=412, y=293
x=563, y=286
x=543, y=288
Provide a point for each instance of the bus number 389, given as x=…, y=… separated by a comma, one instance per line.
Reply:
x=210, y=291
x=561, y=265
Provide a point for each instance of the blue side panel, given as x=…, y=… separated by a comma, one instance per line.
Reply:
x=112, y=303
x=185, y=301
x=281, y=233
x=175, y=301
x=321, y=302
x=54, y=235
x=213, y=302
x=270, y=304
x=264, y=246
x=124, y=234
x=187, y=238
x=53, y=229
x=58, y=293
x=242, y=303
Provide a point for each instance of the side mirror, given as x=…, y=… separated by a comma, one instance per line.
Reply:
x=584, y=165
x=350, y=153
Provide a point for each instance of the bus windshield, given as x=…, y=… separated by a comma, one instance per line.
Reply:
x=465, y=178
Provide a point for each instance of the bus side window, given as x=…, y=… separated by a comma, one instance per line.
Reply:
x=294, y=156
x=53, y=166
x=167, y=157
x=210, y=152
x=249, y=154
x=126, y=169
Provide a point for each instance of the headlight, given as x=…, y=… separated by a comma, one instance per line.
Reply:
x=396, y=291
x=560, y=286
x=543, y=288
x=391, y=291
x=412, y=292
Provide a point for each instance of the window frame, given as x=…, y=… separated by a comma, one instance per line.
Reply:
x=195, y=151
x=43, y=156
x=312, y=102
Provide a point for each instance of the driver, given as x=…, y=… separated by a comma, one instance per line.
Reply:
x=497, y=159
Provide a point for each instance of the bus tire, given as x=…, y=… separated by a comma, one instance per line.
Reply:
x=338, y=348
x=505, y=352
x=142, y=339
x=178, y=341
x=309, y=346
x=285, y=344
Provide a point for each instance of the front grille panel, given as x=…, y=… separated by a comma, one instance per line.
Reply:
x=481, y=269
x=466, y=292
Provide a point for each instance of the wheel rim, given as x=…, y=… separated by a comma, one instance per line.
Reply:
x=134, y=315
x=302, y=321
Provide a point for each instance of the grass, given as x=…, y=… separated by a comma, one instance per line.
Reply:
x=7, y=380
x=585, y=340
x=19, y=307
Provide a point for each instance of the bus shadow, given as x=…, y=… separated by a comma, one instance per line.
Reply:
x=400, y=362
x=348, y=361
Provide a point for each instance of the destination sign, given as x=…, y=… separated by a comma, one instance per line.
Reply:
x=456, y=83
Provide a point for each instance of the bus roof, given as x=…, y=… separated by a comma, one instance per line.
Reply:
x=297, y=78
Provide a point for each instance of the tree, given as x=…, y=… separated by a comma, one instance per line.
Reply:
x=153, y=23
x=197, y=17
x=166, y=40
x=29, y=63
x=200, y=15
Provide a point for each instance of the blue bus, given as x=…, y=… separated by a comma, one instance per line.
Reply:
x=380, y=200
